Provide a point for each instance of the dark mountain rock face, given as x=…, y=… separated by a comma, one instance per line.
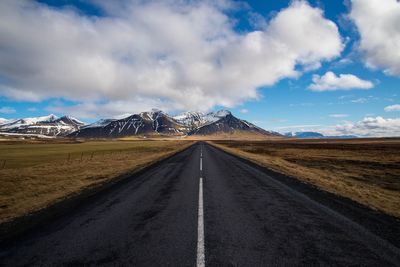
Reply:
x=229, y=124
x=138, y=124
x=154, y=122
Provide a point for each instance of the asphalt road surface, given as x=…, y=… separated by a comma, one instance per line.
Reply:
x=202, y=207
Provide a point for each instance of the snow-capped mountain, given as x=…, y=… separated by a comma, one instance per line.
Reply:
x=156, y=122
x=224, y=122
x=144, y=123
x=194, y=120
x=49, y=125
x=4, y=121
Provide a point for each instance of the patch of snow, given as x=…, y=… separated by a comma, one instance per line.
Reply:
x=20, y=134
x=4, y=121
x=99, y=123
x=28, y=121
x=198, y=119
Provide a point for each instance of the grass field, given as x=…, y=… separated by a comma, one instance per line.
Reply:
x=365, y=170
x=35, y=174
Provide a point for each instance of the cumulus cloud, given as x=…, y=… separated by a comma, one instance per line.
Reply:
x=368, y=127
x=378, y=23
x=330, y=82
x=392, y=108
x=173, y=54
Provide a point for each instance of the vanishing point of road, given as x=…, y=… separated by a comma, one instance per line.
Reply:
x=204, y=207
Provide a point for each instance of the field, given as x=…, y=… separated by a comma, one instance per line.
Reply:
x=364, y=170
x=34, y=174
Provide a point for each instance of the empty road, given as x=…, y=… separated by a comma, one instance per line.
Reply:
x=204, y=207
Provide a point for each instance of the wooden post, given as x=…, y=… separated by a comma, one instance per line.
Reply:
x=4, y=164
x=91, y=156
x=81, y=156
x=69, y=156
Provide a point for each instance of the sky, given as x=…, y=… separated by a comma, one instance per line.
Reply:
x=326, y=66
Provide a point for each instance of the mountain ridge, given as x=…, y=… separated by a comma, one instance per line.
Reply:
x=50, y=125
x=157, y=122
x=154, y=122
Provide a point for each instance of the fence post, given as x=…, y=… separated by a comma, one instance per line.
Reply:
x=91, y=156
x=4, y=164
x=81, y=156
x=69, y=156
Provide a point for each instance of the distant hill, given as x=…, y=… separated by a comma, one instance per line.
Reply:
x=314, y=135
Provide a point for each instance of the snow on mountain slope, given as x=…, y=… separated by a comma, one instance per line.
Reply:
x=28, y=121
x=49, y=125
x=99, y=123
x=4, y=121
x=154, y=122
x=225, y=122
x=194, y=119
x=149, y=122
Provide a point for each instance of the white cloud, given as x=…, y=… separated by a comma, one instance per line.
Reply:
x=7, y=110
x=330, y=82
x=378, y=23
x=368, y=127
x=244, y=111
x=338, y=115
x=392, y=108
x=361, y=100
x=112, y=109
x=173, y=54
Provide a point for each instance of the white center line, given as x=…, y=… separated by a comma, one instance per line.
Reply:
x=200, y=229
x=201, y=164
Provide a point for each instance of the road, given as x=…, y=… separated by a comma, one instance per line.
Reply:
x=201, y=207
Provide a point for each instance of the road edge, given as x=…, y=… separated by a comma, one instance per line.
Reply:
x=15, y=228
x=381, y=224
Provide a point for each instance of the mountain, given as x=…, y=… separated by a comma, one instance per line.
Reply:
x=224, y=122
x=4, y=121
x=144, y=123
x=194, y=120
x=49, y=125
x=314, y=135
x=156, y=122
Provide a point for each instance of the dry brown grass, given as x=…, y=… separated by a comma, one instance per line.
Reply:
x=40, y=173
x=365, y=170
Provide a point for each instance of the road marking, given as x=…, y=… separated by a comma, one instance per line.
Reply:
x=200, y=229
x=201, y=164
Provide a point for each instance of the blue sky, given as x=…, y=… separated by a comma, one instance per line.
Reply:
x=85, y=58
